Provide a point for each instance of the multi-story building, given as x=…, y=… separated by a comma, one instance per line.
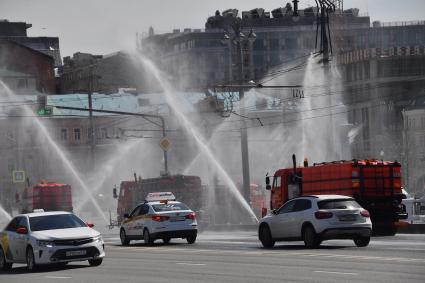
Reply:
x=31, y=57
x=202, y=58
x=121, y=144
x=383, y=73
x=17, y=32
x=103, y=73
x=30, y=64
x=381, y=66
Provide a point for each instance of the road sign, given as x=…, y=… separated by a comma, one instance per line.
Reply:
x=47, y=111
x=165, y=143
x=18, y=176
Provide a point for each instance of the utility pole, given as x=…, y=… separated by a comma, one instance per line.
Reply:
x=244, y=132
x=325, y=7
x=91, y=132
x=239, y=39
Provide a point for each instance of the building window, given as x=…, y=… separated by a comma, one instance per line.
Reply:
x=10, y=165
x=22, y=83
x=64, y=134
x=103, y=133
x=89, y=133
x=77, y=134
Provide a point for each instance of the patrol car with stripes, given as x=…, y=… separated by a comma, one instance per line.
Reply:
x=159, y=217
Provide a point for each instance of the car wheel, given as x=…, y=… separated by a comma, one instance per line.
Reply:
x=95, y=261
x=310, y=238
x=362, y=241
x=123, y=237
x=166, y=240
x=191, y=239
x=4, y=265
x=147, y=237
x=266, y=237
x=31, y=265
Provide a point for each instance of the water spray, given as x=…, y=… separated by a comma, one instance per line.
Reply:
x=174, y=103
x=59, y=152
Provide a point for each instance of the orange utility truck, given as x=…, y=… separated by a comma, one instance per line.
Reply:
x=375, y=184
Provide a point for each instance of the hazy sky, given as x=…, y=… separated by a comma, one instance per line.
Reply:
x=105, y=26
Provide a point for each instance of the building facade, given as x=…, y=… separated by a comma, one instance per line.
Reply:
x=383, y=73
x=414, y=146
x=202, y=58
x=104, y=74
x=17, y=32
x=32, y=64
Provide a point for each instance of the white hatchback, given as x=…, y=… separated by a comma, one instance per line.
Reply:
x=313, y=219
x=49, y=237
x=161, y=219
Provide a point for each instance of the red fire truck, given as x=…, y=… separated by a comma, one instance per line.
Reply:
x=49, y=196
x=187, y=189
x=375, y=184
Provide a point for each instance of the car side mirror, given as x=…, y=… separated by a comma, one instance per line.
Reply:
x=89, y=224
x=126, y=215
x=274, y=211
x=22, y=230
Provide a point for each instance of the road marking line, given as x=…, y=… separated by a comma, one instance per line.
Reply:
x=188, y=263
x=335, y=272
x=58, y=277
x=262, y=253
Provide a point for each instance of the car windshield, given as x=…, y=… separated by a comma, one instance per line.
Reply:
x=58, y=221
x=338, y=204
x=169, y=207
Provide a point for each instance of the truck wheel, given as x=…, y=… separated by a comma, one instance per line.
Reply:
x=4, y=265
x=266, y=237
x=31, y=265
x=310, y=238
x=95, y=261
x=147, y=238
x=191, y=239
x=123, y=237
x=362, y=241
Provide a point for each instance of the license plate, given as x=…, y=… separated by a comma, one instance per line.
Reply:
x=178, y=218
x=347, y=217
x=76, y=253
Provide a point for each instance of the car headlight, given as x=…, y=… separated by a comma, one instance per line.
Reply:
x=46, y=244
x=98, y=239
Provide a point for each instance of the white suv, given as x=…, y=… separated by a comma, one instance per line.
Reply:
x=314, y=219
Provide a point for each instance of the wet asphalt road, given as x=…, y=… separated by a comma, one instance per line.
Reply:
x=238, y=257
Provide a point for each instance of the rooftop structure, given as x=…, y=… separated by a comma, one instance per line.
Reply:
x=17, y=31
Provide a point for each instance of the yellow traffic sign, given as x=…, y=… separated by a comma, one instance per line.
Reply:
x=165, y=143
x=18, y=176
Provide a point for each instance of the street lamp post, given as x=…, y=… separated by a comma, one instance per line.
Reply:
x=239, y=39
